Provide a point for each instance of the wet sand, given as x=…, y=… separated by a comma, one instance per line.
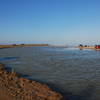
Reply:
x=14, y=87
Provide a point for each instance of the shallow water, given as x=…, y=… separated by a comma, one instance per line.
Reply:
x=73, y=72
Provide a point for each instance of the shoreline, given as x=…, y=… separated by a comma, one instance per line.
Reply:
x=15, y=87
x=21, y=45
x=90, y=47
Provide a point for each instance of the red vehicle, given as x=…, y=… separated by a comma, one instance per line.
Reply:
x=97, y=46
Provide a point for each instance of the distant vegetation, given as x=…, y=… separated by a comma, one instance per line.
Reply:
x=21, y=45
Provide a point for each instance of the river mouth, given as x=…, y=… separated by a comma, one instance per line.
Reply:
x=73, y=72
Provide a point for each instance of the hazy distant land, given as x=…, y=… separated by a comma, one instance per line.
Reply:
x=21, y=45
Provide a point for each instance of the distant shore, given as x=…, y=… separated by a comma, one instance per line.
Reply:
x=21, y=45
x=90, y=47
x=14, y=87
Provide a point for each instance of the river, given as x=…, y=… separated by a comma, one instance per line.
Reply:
x=73, y=72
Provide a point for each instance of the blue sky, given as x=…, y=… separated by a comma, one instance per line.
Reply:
x=50, y=21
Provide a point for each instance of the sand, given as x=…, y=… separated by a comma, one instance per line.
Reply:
x=14, y=87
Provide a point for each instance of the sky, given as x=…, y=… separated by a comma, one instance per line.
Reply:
x=50, y=21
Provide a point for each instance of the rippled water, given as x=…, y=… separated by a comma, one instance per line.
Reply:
x=73, y=72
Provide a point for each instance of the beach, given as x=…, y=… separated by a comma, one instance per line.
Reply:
x=89, y=47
